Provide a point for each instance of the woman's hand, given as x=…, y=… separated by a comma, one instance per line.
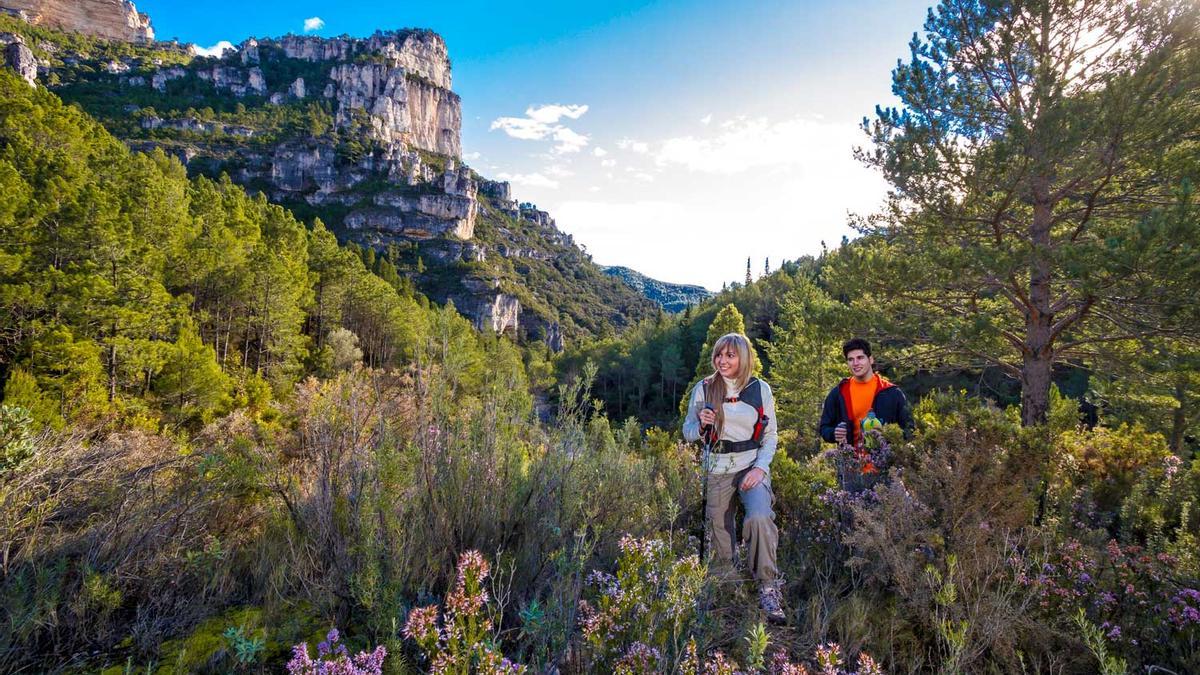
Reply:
x=753, y=477
x=708, y=417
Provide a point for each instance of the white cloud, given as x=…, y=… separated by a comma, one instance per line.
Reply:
x=215, y=50
x=549, y=114
x=471, y=156
x=599, y=152
x=640, y=147
x=313, y=23
x=568, y=140
x=608, y=162
x=543, y=123
x=745, y=144
x=711, y=196
x=536, y=180
x=706, y=119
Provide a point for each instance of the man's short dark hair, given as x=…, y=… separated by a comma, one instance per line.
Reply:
x=856, y=343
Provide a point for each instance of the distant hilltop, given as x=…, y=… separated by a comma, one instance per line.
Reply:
x=672, y=297
x=108, y=19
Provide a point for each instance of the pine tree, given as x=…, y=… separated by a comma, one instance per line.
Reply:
x=1033, y=161
x=805, y=358
x=728, y=320
x=767, y=266
x=749, y=278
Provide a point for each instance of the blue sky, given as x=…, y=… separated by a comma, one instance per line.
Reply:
x=677, y=138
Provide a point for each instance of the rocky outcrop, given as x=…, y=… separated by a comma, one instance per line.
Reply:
x=18, y=57
x=301, y=168
x=420, y=52
x=419, y=217
x=249, y=52
x=498, y=190
x=502, y=314
x=197, y=126
x=161, y=77
x=108, y=19
x=534, y=215
x=489, y=308
x=671, y=297
x=238, y=81
x=401, y=109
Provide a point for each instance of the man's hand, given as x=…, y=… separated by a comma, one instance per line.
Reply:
x=839, y=432
x=753, y=477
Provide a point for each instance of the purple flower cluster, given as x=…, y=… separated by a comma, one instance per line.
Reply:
x=334, y=659
x=629, y=620
x=639, y=658
x=1126, y=590
x=1185, y=608
x=840, y=519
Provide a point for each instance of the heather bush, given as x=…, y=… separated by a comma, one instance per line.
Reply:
x=1147, y=610
x=464, y=640
x=334, y=659
x=931, y=541
x=640, y=619
x=645, y=619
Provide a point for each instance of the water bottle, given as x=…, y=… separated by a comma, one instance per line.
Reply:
x=871, y=423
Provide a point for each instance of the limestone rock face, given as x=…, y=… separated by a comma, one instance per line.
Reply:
x=108, y=19
x=537, y=217
x=502, y=314
x=422, y=53
x=18, y=57
x=498, y=190
x=420, y=216
x=401, y=109
x=297, y=88
x=198, y=126
x=235, y=80
x=249, y=52
x=161, y=77
x=298, y=168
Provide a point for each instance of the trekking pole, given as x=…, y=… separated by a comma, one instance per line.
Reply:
x=706, y=434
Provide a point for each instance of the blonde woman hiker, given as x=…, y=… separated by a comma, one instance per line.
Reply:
x=735, y=414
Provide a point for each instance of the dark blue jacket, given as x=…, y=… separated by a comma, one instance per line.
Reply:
x=890, y=406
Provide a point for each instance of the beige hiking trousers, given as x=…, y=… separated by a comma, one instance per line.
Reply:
x=758, y=527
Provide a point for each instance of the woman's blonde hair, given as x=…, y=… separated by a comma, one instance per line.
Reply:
x=714, y=385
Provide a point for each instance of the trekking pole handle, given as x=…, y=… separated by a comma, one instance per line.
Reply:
x=706, y=436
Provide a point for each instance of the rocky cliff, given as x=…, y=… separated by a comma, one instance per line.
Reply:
x=108, y=19
x=16, y=55
x=363, y=133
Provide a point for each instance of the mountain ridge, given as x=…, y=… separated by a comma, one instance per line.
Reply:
x=672, y=297
x=363, y=133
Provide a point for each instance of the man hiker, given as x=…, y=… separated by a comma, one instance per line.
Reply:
x=855, y=398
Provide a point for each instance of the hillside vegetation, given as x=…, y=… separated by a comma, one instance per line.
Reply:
x=561, y=291
x=230, y=444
